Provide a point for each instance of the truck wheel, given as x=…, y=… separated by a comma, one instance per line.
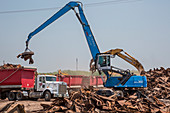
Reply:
x=3, y=96
x=47, y=96
x=19, y=96
x=11, y=96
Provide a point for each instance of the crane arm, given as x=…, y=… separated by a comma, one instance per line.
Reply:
x=88, y=33
x=61, y=12
x=128, y=58
x=81, y=17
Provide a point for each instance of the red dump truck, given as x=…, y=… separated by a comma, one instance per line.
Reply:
x=20, y=83
x=77, y=81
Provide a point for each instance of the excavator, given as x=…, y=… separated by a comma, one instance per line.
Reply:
x=101, y=61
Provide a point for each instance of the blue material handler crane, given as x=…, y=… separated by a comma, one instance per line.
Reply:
x=100, y=61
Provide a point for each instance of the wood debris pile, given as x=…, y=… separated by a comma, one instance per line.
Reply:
x=86, y=100
x=10, y=66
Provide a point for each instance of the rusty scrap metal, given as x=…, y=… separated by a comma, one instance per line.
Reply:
x=13, y=108
x=87, y=100
x=27, y=55
x=10, y=66
x=158, y=83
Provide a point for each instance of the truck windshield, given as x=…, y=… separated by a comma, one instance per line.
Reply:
x=50, y=78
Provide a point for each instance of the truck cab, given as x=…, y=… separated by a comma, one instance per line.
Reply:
x=49, y=87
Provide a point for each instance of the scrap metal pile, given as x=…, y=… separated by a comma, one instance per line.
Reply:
x=86, y=100
x=154, y=99
x=10, y=66
x=13, y=108
x=158, y=83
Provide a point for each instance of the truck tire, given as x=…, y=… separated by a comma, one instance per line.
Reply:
x=19, y=96
x=3, y=96
x=47, y=96
x=11, y=96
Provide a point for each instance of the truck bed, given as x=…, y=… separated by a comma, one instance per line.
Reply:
x=17, y=77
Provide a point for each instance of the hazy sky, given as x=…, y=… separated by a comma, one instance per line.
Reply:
x=140, y=27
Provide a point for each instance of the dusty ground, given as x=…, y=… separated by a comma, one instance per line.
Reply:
x=30, y=105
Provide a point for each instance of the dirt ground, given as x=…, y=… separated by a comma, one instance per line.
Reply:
x=30, y=105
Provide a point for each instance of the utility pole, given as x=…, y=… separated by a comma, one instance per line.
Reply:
x=76, y=64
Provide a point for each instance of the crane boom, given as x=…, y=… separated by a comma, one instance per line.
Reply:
x=81, y=17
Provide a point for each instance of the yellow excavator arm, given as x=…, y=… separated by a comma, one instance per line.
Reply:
x=61, y=73
x=127, y=58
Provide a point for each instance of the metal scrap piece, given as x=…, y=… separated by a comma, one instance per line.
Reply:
x=27, y=55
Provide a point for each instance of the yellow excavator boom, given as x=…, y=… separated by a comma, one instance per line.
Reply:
x=128, y=58
x=61, y=73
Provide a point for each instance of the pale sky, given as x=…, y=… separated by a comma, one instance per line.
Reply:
x=140, y=27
